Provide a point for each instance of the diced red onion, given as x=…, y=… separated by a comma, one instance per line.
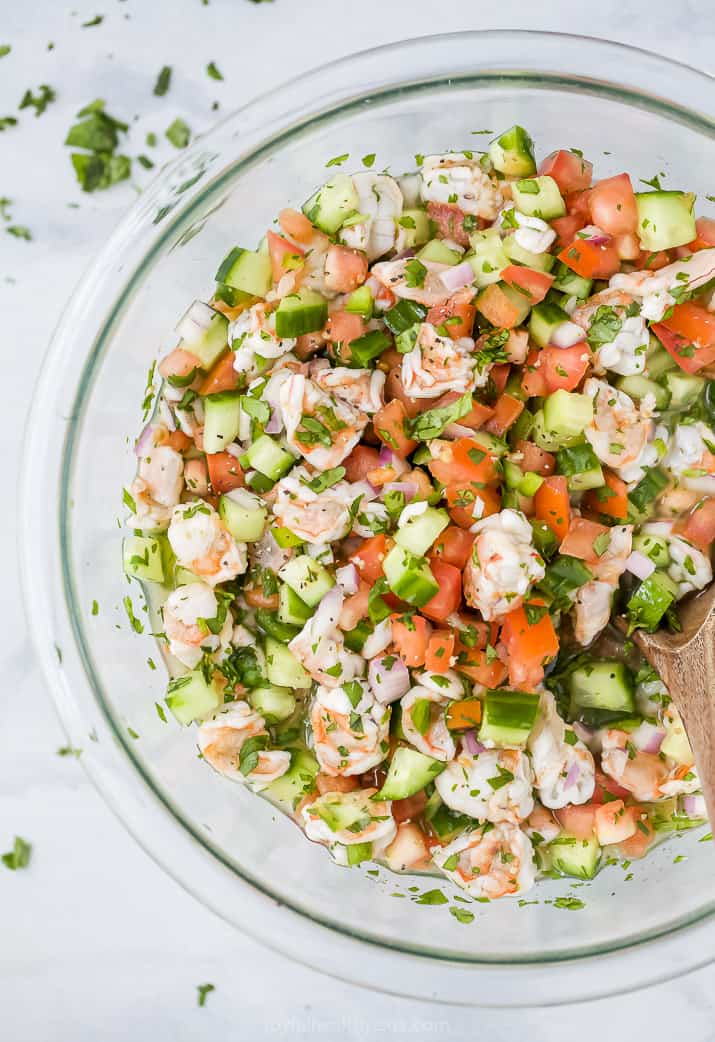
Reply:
x=648, y=738
x=195, y=322
x=458, y=430
x=567, y=334
x=234, y=450
x=458, y=276
x=166, y=414
x=378, y=640
x=405, y=255
x=599, y=240
x=573, y=774
x=595, y=235
x=389, y=458
x=364, y=489
x=348, y=578
x=145, y=441
x=472, y=744
x=275, y=422
x=585, y=734
x=694, y=805
x=639, y=565
x=387, y=685
x=328, y=613
x=408, y=487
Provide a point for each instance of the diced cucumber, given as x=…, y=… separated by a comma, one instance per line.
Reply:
x=538, y=197
x=518, y=255
x=191, y=697
x=544, y=538
x=580, y=465
x=233, y=297
x=222, y=420
x=356, y=853
x=368, y=346
x=575, y=857
x=490, y=442
x=676, y=744
x=285, y=538
x=243, y=514
x=307, y=578
x=409, y=772
x=489, y=258
x=658, y=361
x=567, y=414
x=291, y=608
x=183, y=577
x=518, y=299
x=564, y=575
x=404, y=315
x=273, y=703
x=543, y=438
x=602, y=685
x=302, y=312
x=360, y=302
x=419, y=532
x=204, y=332
x=684, y=388
x=508, y=717
x=282, y=667
x=143, y=558
x=545, y=318
x=642, y=497
x=298, y=780
x=409, y=577
x=447, y=824
x=654, y=547
x=567, y=281
x=269, y=623
x=639, y=386
x=268, y=458
x=665, y=219
x=355, y=638
x=247, y=271
x=332, y=204
x=512, y=153
x=647, y=606
x=415, y=226
x=438, y=252
x=527, y=483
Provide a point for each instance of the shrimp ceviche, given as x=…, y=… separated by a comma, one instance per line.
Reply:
x=407, y=467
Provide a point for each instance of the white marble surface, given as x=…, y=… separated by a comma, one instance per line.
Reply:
x=96, y=942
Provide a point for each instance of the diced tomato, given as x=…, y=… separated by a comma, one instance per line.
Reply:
x=369, y=556
x=464, y=715
x=499, y=374
x=469, y=501
x=450, y=591
x=390, y=425
x=343, y=327
x=534, y=284
x=327, y=783
x=700, y=526
x=580, y=538
x=564, y=368
x=638, y=844
x=533, y=380
x=704, y=235
x=285, y=256
x=458, y=308
x=475, y=419
x=449, y=219
x=221, y=377
x=571, y=172
x=473, y=632
x=225, y=471
x=590, y=260
x=607, y=788
x=394, y=388
x=473, y=663
x=409, y=808
x=534, y=459
x=688, y=335
x=652, y=261
x=179, y=363
x=628, y=246
x=507, y=411
x=465, y=460
x=454, y=546
x=360, y=462
x=611, y=499
x=176, y=440
x=579, y=821
x=578, y=204
x=613, y=205
x=529, y=645
x=551, y=505
x=615, y=822
x=439, y=651
x=296, y=225
x=566, y=228
x=497, y=308
x=411, y=638
x=345, y=269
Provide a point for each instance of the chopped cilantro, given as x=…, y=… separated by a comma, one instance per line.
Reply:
x=5, y=48
x=415, y=273
x=163, y=81
x=431, y=897
x=69, y=750
x=19, y=856
x=213, y=71
x=7, y=121
x=571, y=903
x=204, y=989
x=39, y=102
x=338, y=160
x=178, y=134
x=97, y=20
x=462, y=915
x=19, y=231
x=368, y=160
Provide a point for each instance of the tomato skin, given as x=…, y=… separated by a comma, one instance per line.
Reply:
x=460, y=307
x=565, y=367
x=453, y=546
x=607, y=787
x=566, y=228
x=282, y=253
x=688, y=335
x=533, y=379
x=179, y=363
x=225, y=471
x=473, y=663
x=589, y=260
x=360, y=462
x=551, y=504
x=463, y=496
x=475, y=419
x=465, y=461
x=450, y=593
x=636, y=846
x=571, y=173
x=611, y=500
x=389, y=424
x=700, y=526
x=345, y=269
x=221, y=377
x=411, y=643
x=440, y=650
x=369, y=556
x=628, y=246
x=296, y=225
x=613, y=205
x=579, y=821
x=534, y=459
x=449, y=219
x=506, y=412
x=578, y=204
x=704, y=235
x=580, y=538
x=535, y=284
x=496, y=307
x=343, y=327
x=409, y=808
x=529, y=646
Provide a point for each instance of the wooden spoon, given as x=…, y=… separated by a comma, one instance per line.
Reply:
x=686, y=664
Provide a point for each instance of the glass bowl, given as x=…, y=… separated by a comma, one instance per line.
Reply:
x=625, y=109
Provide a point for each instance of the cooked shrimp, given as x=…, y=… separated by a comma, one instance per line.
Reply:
x=592, y=610
x=438, y=364
x=541, y=825
x=320, y=645
x=494, y=785
x=455, y=174
x=503, y=564
x=350, y=729
x=203, y=544
x=424, y=725
x=186, y=612
x=648, y=776
x=316, y=517
x=610, y=298
x=341, y=819
x=494, y=863
x=222, y=738
x=619, y=432
x=690, y=457
x=157, y=488
x=362, y=388
x=320, y=427
x=689, y=567
x=564, y=770
x=396, y=276
x=380, y=203
x=659, y=290
x=254, y=333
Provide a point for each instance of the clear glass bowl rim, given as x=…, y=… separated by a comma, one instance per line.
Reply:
x=44, y=562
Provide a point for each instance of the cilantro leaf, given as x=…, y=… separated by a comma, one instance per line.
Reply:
x=163, y=81
x=338, y=160
x=19, y=231
x=203, y=991
x=605, y=327
x=431, y=424
x=19, y=856
x=178, y=134
x=5, y=48
x=39, y=102
x=7, y=121
x=97, y=20
x=213, y=71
